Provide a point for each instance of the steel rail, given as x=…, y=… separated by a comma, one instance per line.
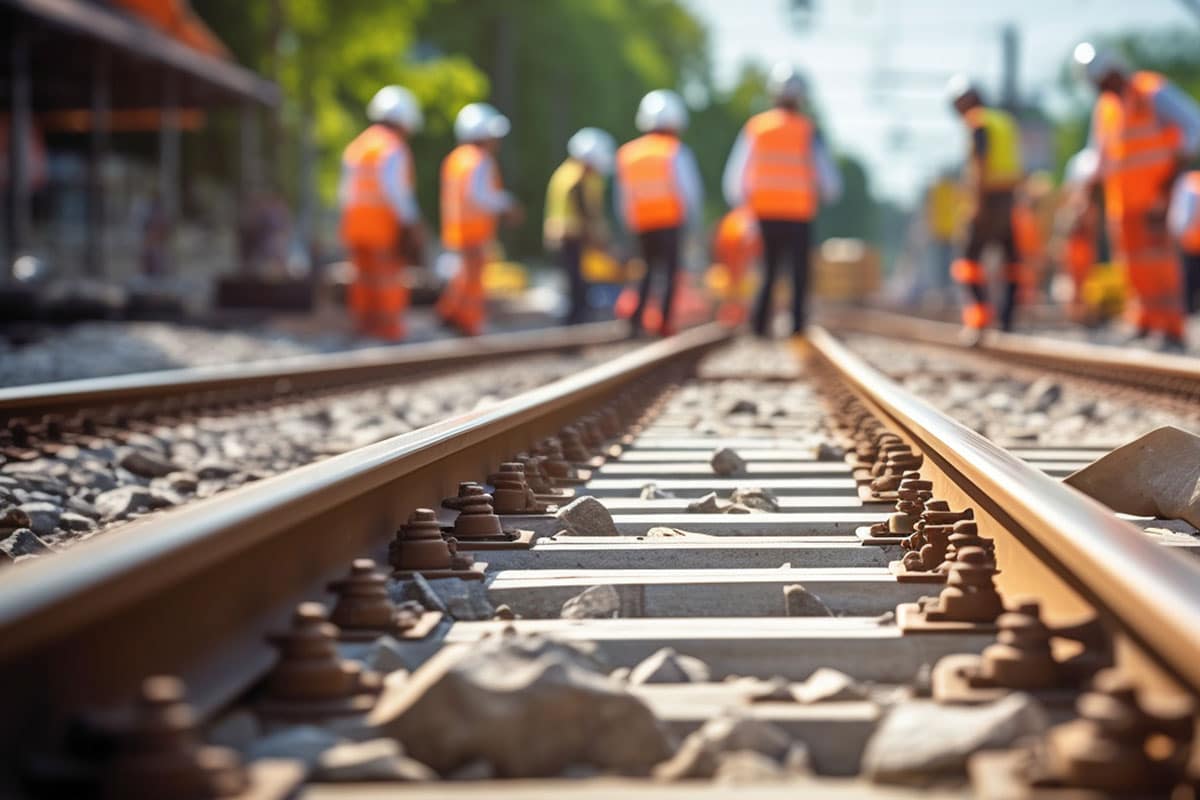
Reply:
x=279, y=377
x=192, y=591
x=1064, y=548
x=1120, y=365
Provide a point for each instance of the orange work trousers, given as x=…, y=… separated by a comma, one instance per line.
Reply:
x=1152, y=267
x=462, y=303
x=378, y=297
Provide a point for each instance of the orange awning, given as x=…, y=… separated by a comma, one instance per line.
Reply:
x=176, y=19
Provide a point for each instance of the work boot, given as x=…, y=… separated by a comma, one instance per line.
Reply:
x=1172, y=344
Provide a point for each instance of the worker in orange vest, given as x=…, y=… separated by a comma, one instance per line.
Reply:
x=1184, y=223
x=780, y=168
x=737, y=245
x=993, y=171
x=1077, y=227
x=1144, y=130
x=658, y=193
x=473, y=201
x=380, y=218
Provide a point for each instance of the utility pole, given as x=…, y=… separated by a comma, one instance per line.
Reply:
x=1010, y=54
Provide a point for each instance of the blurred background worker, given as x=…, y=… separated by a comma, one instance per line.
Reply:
x=473, y=200
x=993, y=173
x=1077, y=229
x=779, y=167
x=381, y=223
x=658, y=193
x=1144, y=131
x=575, y=215
x=737, y=244
x=1184, y=223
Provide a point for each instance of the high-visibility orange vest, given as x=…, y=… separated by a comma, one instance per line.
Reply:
x=1189, y=237
x=367, y=218
x=465, y=224
x=646, y=177
x=780, y=176
x=1137, y=150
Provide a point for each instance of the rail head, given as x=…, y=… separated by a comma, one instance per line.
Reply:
x=1147, y=590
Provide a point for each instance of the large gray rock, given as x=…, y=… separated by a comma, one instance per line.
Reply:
x=726, y=461
x=587, y=516
x=594, y=602
x=529, y=706
x=829, y=686
x=372, y=760
x=755, y=498
x=24, y=542
x=707, y=504
x=125, y=500
x=702, y=751
x=920, y=742
x=668, y=666
x=464, y=600
x=800, y=602
x=43, y=516
x=146, y=464
x=417, y=588
x=70, y=521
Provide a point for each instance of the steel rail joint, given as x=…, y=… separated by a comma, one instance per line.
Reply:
x=1148, y=591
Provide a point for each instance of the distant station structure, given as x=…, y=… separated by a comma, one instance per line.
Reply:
x=95, y=99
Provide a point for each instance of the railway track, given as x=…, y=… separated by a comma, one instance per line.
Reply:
x=751, y=605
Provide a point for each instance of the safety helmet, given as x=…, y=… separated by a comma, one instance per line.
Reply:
x=593, y=147
x=1095, y=64
x=958, y=87
x=397, y=106
x=478, y=122
x=662, y=110
x=1082, y=167
x=786, y=84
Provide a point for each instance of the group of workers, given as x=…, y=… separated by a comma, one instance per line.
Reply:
x=1144, y=133
x=779, y=172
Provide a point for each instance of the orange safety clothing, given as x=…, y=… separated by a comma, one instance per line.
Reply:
x=780, y=178
x=463, y=302
x=368, y=220
x=1189, y=237
x=1137, y=149
x=378, y=296
x=1079, y=256
x=646, y=176
x=464, y=223
x=737, y=244
x=1153, y=271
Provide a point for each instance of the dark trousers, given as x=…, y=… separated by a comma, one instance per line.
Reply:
x=1191, y=282
x=570, y=256
x=790, y=239
x=993, y=226
x=660, y=252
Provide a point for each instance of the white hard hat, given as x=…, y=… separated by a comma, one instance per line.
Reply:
x=398, y=106
x=662, y=110
x=785, y=83
x=593, y=147
x=1095, y=64
x=1082, y=167
x=477, y=122
x=958, y=87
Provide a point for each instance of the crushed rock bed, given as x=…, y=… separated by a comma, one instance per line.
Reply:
x=55, y=502
x=97, y=349
x=1013, y=405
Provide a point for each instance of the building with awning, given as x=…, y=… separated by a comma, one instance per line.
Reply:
x=84, y=72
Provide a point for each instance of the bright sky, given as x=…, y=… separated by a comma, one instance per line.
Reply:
x=877, y=68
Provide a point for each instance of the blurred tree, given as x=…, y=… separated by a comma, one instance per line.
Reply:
x=855, y=214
